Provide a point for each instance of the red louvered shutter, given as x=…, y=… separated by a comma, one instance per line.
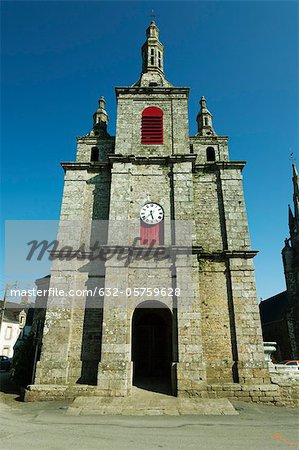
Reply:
x=151, y=234
x=152, y=126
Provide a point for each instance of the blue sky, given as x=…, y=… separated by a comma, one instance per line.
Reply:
x=58, y=58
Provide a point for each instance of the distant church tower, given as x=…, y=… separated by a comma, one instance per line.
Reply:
x=290, y=258
x=189, y=320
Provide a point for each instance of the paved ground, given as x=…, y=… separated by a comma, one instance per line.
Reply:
x=46, y=425
x=147, y=403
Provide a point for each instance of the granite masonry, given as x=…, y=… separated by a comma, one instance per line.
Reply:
x=203, y=337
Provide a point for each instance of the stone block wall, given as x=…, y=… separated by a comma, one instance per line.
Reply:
x=199, y=145
x=131, y=103
x=216, y=323
x=230, y=183
x=71, y=322
x=86, y=143
x=248, y=334
x=206, y=212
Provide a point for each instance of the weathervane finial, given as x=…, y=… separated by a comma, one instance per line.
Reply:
x=152, y=15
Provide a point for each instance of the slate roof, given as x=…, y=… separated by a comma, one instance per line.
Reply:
x=12, y=311
x=274, y=308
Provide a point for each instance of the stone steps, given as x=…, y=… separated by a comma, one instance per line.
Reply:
x=148, y=403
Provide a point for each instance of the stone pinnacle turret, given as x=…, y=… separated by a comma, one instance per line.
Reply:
x=205, y=120
x=100, y=118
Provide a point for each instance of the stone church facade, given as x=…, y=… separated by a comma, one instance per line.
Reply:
x=153, y=187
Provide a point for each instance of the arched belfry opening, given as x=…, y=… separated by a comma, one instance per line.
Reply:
x=152, y=347
x=211, y=157
x=152, y=126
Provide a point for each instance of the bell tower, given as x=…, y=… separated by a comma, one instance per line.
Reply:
x=152, y=60
x=174, y=299
x=153, y=51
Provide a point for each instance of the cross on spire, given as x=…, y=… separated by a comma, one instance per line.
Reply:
x=152, y=15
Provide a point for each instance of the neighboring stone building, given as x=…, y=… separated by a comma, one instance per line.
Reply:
x=196, y=330
x=280, y=314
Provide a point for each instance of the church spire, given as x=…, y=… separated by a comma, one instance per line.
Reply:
x=291, y=219
x=153, y=51
x=296, y=192
x=152, y=60
x=294, y=216
x=205, y=120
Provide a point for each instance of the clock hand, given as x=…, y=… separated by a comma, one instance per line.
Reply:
x=152, y=215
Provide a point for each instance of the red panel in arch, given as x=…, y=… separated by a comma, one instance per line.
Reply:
x=151, y=234
x=152, y=126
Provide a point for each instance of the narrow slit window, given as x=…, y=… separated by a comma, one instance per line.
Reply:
x=152, y=126
x=152, y=57
x=94, y=156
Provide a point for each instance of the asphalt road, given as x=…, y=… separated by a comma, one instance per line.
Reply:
x=45, y=425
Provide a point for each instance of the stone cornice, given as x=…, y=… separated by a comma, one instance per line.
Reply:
x=162, y=160
x=221, y=165
x=93, y=139
x=225, y=254
x=90, y=166
x=157, y=160
x=170, y=251
x=208, y=138
x=152, y=90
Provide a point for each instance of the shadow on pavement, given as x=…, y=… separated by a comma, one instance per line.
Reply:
x=7, y=385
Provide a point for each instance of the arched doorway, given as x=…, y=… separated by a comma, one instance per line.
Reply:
x=152, y=347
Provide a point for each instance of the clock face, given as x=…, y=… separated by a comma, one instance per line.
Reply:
x=151, y=213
